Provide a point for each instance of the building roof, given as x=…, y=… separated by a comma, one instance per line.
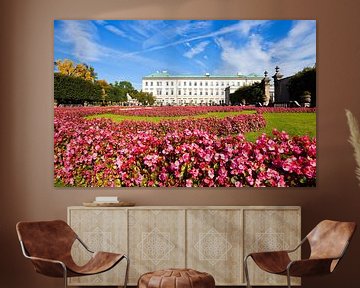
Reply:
x=165, y=74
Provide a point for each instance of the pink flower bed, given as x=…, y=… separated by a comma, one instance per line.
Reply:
x=205, y=152
x=171, y=111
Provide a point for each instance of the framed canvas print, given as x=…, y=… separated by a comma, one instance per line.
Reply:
x=185, y=103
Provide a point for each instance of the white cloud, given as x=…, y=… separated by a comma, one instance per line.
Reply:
x=82, y=36
x=186, y=28
x=298, y=49
x=245, y=59
x=115, y=30
x=100, y=22
x=164, y=37
x=197, y=49
x=292, y=53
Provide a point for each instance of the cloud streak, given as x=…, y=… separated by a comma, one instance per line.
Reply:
x=197, y=49
x=81, y=35
x=242, y=28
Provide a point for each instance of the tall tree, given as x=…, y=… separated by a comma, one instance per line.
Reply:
x=145, y=98
x=119, y=90
x=249, y=94
x=105, y=87
x=304, y=80
x=82, y=70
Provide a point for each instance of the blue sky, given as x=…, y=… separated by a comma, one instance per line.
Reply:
x=130, y=49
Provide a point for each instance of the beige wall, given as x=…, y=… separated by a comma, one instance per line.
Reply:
x=27, y=191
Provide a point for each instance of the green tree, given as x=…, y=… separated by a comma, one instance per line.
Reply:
x=145, y=98
x=75, y=90
x=302, y=81
x=105, y=87
x=249, y=94
x=119, y=90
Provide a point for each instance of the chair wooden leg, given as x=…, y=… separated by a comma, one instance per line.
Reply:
x=246, y=270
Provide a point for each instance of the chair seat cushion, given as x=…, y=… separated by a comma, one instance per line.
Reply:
x=176, y=278
x=99, y=262
x=272, y=262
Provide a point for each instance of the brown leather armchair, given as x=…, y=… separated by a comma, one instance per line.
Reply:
x=328, y=242
x=48, y=245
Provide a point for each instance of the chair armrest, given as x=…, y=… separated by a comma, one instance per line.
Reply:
x=309, y=267
x=48, y=267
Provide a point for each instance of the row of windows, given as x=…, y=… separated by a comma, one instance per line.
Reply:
x=189, y=83
x=189, y=101
x=159, y=93
x=183, y=89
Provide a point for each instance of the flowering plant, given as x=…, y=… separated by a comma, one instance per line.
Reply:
x=205, y=152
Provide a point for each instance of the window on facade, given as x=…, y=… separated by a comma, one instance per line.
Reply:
x=185, y=83
x=146, y=83
x=167, y=83
x=151, y=83
x=172, y=92
x=179, y=92
x=206, y=83
x=200, y=92
x=189, y=92
x=217, y=83
x=222, y=83
x=195, y=83
x=189, y=83
x=166, y=93
x=200, y=83
x=159, y=91
x=172, y=83
x=206, y=93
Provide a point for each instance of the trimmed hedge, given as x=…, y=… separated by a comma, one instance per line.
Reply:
x=75, y=90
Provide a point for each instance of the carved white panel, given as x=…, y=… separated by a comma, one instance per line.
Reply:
x=214, y=241
x=100, y=230
x=270, y=230
x=156, y=240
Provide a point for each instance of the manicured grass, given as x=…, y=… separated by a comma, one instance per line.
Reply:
x=292, y=123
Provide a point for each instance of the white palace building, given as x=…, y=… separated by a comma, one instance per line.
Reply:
x=194, y=89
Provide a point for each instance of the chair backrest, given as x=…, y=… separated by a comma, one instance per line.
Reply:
x=329, y=239
x=46, y=239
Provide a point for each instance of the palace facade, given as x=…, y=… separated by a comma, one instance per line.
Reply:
x=194, y=89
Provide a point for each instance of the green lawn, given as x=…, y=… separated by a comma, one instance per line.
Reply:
x=292, y=123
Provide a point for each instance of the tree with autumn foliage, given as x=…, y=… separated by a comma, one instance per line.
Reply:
x=82, y=70
x=105, y=88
